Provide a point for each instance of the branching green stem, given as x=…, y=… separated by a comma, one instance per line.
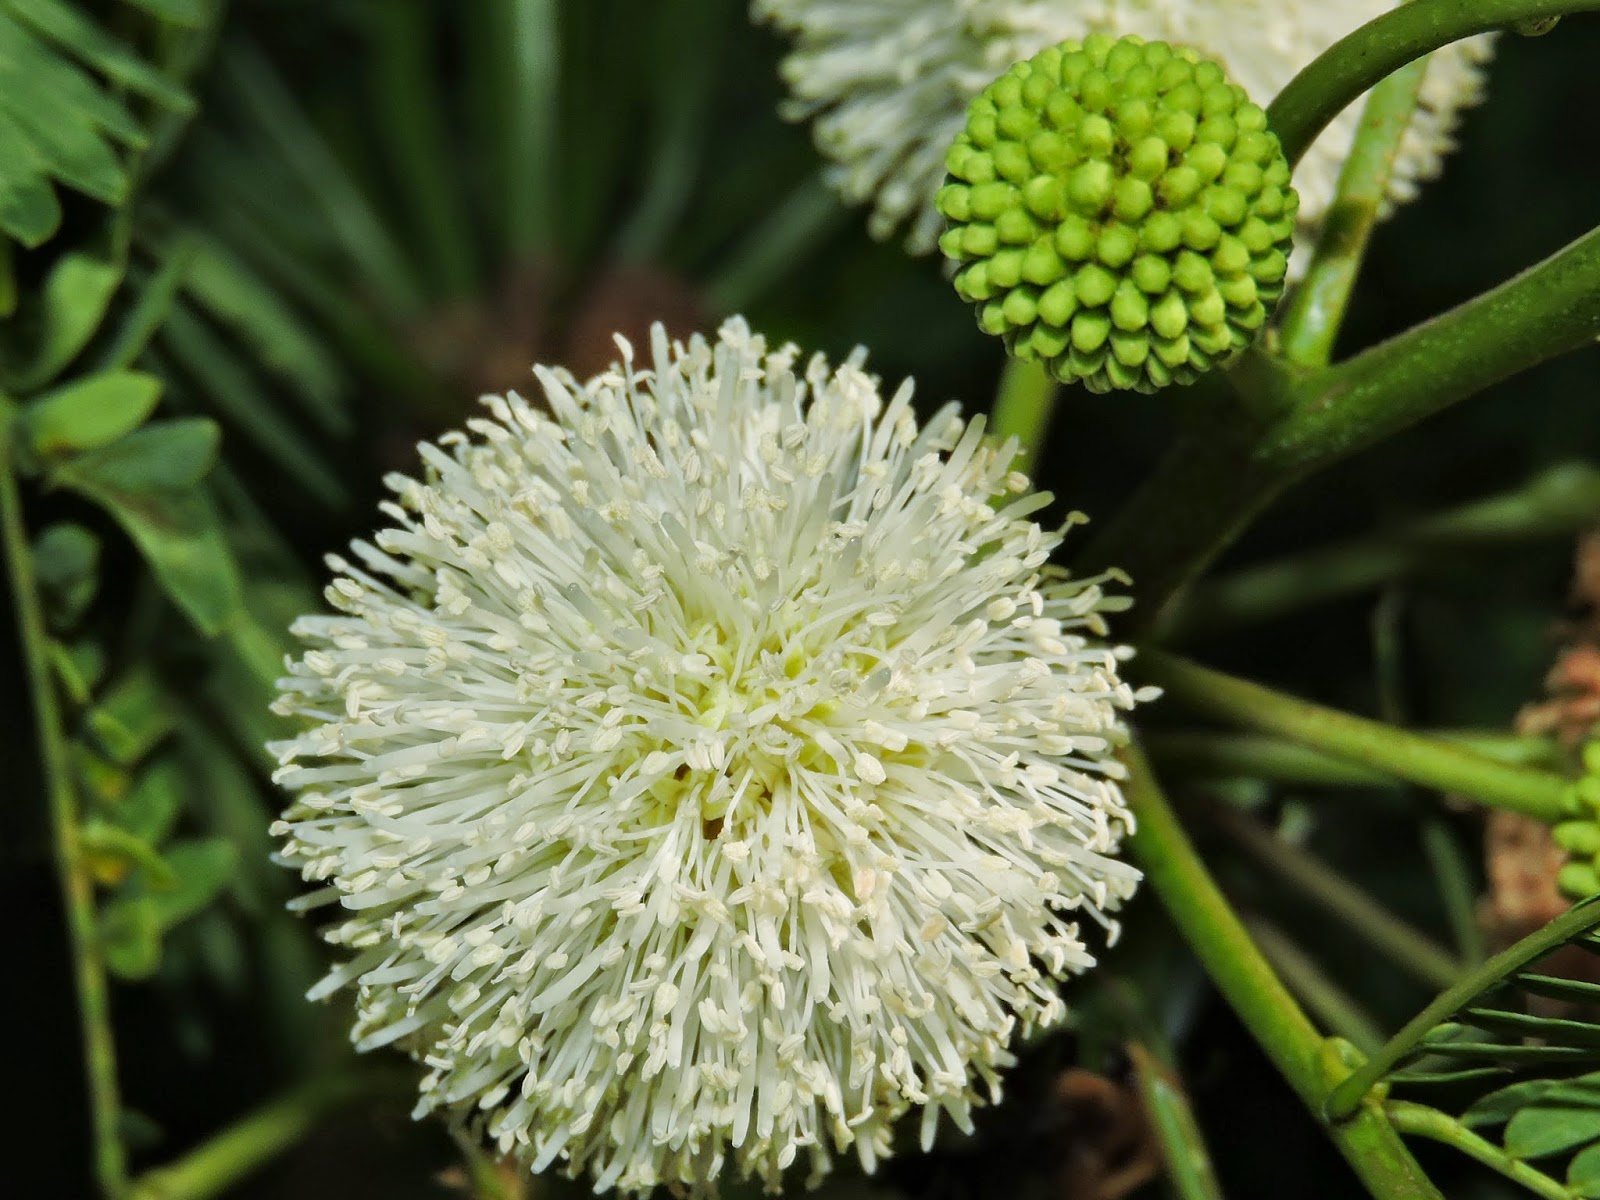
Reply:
x=1357, y=62
x=1353, y=1091
x=1429, y=762
x=1408, y=948
x=77, y=890
x=1316, y=307
x=1211, y=928
x=1022, y=410
x=1418, y=1120
x=1291, y=423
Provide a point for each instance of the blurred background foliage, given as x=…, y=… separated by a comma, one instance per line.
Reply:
x=252, y=254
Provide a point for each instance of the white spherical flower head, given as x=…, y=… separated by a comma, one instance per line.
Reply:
x=708, y=771
x=888, y=82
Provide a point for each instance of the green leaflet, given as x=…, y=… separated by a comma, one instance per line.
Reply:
x=191, y=13
x=133, y=924
x=61, y=124
x=66, y=558
x=88, y=413
x=131, y=719
x=148, y=482
x=1540, y=1130
x=73, y=302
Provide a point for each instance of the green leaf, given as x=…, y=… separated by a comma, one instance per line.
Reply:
x=203, y=867
x=150, y=808
x=239, y=395
x=1576, y=990
x=1583, y=1173
x=1549, y=1030
x=29, y=210
x=194, y=14
x=66, y=559
x=132, y=718
x=130, y=938
x=108, y=55
x=154, y=296
x=58, y=121
x=233, y=293
x=146, y=481
x=90, y=412
x=78, y=668
x=1498, y=1107
x=1540, y=1130
x=114, y=853
x=74, y=299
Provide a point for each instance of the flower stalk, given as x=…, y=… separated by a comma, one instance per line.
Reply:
x=1429, y=762
x=77, y=889
x=1234, y=963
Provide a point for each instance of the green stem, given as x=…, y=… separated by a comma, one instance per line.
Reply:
x=1418, y=1120
x=1329, y=1002
x=1354, y=1090
x=1409, y=949
x=1547, y=310
x=1316, y=308
x=1293, y=423
x=1413, y=757
x=1358, y=62
x=1022, y=408
x=77, y=892
x=1556, y=502
x=1183, y=1143
x=1274, y=760
x=1191, y=897
x=222, y=1162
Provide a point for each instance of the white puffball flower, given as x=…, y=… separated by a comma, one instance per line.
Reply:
x=887, y=83
x=708, y=771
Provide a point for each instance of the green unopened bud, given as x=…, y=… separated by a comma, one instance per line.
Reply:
x=1578, y=881
x=1121, y=213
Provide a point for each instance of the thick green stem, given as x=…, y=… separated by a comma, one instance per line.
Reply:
x=1408, y=948
x=1547, y=310
x=1418, y=1120
x=1293, y=423
x=1191, y=897
x=1022, y=409
x=1427, y=761
x=1316, y=308
x=237, y=1152
x=77, y=890
x=1356, y=63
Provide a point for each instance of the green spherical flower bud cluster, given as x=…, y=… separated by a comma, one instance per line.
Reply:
x=1580, y=837
x=1121, y=212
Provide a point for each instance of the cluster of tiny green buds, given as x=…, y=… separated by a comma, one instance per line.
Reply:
x=1120, y=211
x=1580, y=837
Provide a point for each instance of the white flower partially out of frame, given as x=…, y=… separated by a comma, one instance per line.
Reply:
x=887, y=82
x=708, y=770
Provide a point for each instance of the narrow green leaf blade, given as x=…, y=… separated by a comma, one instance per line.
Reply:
x=110, y=56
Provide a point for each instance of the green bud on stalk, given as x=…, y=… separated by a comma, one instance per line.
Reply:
x=1120, y=213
